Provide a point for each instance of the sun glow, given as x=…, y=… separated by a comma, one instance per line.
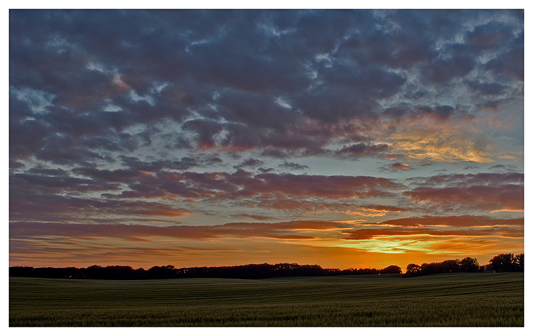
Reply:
x=392, y=244
x=507, y=210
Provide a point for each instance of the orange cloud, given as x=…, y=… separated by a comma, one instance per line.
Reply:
x=401, y=166
x=440, y=134
x=443, y=145
x=413, y=233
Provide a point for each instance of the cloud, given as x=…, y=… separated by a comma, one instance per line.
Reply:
x=54, y=207
x=293, y=166
x=401, y=166
x=444, y=145
x=471, y=167
x=221, y=74
x=458, y=62
x=362, y=149
x=255, y=217
x=501, y=198
x=51, y=181
x=486, y=89
x=493, y=35
x=511, y=61
x=347, y=94
x=185, y=163
x=28, y=230
x=50, y=194
x=509, y=169
x=409, y=113
x=249, y=163
x=483, y=191
x=364, y=234
x=396, y=166
x=276, y=153
x=463, y=226
x=301, y=207
x=323, y=186
x=481, y=179
x=295, y=230
x=393, y=50
x=442, y=133
x=240, y=184
x=454, y=221
x=385, y=208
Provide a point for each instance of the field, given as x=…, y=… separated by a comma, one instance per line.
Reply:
x=460, y=299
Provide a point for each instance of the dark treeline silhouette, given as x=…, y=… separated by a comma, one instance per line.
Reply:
x=251, y=271
x=501, y=263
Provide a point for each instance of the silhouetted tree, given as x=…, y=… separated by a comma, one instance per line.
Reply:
x=162, y=272
x=519, y=262
x=392, y=269
x=503, y=262
x=451, y=266
x=21, y=271
x=413, y=269
x=469, y=264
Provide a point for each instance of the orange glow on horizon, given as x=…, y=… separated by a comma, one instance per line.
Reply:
x=326, y=251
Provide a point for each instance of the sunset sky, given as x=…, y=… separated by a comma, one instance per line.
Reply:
x=344, y=138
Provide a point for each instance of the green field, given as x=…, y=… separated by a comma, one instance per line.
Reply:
x=460, y=299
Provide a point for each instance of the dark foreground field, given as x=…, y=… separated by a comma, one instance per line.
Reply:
x=460, y=299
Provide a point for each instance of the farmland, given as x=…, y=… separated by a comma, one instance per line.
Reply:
x=459, y=299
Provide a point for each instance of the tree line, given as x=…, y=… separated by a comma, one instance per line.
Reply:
x=500, y=263
x=250, y=271
x=507, y=262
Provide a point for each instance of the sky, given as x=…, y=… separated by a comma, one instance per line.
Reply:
x=344, y=138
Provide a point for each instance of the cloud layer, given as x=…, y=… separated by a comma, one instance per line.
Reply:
x=134, y=124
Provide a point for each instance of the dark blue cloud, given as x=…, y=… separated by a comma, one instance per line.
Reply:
x=249, y=163
x=177, y=60
x=486, y=89
x=405, y=110
x=362, y=149
x=511, y=61
x=493, y=35
x=293, y=166
x=285, y=82
x=457, y=61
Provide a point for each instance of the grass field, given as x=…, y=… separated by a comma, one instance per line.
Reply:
x=460, y=299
